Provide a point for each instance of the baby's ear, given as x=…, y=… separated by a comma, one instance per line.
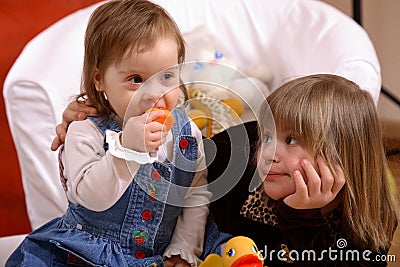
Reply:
x=97, y=79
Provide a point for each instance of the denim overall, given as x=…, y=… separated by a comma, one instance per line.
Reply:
x=136, y=230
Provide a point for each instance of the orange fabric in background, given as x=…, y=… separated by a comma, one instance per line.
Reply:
x=20, y=21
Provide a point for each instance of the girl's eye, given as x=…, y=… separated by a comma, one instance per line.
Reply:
x=136, y=79
x=291, y=140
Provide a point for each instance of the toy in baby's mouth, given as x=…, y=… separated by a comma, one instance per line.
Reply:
x=220, y=94
x=239, y=251
x=167, y=119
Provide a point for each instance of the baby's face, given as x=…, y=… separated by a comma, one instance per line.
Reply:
x=143, y=80
x=276, y=169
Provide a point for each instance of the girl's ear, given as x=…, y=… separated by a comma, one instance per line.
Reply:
x=97, y=80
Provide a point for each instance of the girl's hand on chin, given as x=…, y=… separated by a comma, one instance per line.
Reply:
x=319, y=190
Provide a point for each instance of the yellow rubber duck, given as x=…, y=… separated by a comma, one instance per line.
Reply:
x=239, y=251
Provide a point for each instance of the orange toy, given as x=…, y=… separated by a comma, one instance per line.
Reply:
x=167, y=119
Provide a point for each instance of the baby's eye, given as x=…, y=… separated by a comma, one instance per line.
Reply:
x=167, y=76
x=291, y=140
x=267, y=138
x=136, y=79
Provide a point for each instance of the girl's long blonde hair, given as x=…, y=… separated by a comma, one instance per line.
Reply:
x=120, y=27
x=336, y=119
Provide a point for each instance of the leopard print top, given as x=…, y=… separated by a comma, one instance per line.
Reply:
x=259, y=207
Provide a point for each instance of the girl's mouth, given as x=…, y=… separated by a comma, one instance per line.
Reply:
x=275, y=175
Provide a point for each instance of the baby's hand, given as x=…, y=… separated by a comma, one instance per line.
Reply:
x=176, y=261
x=319, y=190
x=142, y=133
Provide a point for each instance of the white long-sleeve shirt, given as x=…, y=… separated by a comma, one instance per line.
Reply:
x=97, y=179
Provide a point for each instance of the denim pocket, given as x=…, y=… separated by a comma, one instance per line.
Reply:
x=63, y=256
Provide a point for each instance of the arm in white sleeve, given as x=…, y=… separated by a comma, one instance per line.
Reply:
x=116, y=149
x=96, y=179
x=188, y=238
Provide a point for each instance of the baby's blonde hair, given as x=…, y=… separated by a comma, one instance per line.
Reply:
x=120, y=27
x=334, y=118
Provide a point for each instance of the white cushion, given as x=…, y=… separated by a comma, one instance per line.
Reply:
x=290, y=37
x=7, y=245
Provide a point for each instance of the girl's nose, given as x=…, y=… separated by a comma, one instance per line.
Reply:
x=276, y=159
x=277, y=155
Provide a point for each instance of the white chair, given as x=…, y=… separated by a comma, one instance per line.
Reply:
x=290, y=37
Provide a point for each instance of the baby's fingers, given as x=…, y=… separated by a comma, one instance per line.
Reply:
x=155, y=135
x=153, y=115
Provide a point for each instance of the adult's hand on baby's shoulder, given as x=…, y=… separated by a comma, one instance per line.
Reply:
x=75, y=111
x=319, y=190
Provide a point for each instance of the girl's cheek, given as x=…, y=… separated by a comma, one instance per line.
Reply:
x=258, y=156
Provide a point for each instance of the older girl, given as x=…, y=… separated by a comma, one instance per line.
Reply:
x=325, y=188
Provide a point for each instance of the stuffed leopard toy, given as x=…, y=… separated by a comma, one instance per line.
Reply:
x=221, y=115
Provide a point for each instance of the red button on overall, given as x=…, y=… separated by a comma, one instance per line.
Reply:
x=184, y=143
x=155, y=175
x=147, y=215
x=140, y=254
